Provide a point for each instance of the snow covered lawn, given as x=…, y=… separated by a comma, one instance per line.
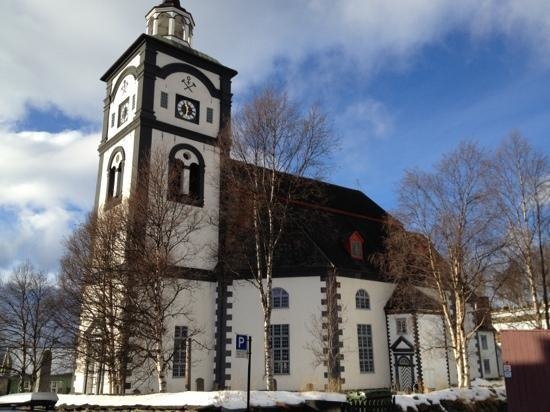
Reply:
x=481, y=390
x=225, y=399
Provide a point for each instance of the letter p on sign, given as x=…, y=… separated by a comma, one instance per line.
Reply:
x=242, y=342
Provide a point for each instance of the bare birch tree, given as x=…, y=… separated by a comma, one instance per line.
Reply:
x=28, y=304
x=162, y=241
x=96, y=284
x=521, y=182
x=275, y=146
x=451, y=240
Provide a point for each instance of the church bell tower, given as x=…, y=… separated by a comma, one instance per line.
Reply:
x=165, y=96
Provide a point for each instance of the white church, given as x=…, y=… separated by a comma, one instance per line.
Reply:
x=162, y=93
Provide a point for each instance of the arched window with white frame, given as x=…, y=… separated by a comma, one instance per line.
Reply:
x=279, y=298
x=362, y=300
x=115, y=174
x=186, y=175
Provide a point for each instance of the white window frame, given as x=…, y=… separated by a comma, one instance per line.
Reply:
x=180, y=349
x=279, y=298
x=362, y=299
x=365, y=348
x=280, y=348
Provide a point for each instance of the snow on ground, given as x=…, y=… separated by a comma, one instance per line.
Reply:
x=480, y=390
x=226, y=399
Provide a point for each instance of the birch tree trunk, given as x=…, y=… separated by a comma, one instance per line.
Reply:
x=274, y=147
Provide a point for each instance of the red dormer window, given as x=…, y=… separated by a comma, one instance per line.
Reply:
x=356, y=246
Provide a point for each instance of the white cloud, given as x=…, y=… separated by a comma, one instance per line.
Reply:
x=54, y=52
x=47, y=181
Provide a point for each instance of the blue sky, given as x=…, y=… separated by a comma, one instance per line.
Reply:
x=402, y=81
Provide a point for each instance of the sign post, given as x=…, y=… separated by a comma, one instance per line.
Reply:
x=243, y=345
x=248, y=377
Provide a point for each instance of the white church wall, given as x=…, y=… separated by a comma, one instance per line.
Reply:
x=247, y=319
x=78, y=381
x=201, y=302
x=432, y=352
x=379, y=293
x=204, y=241
x=198, y=315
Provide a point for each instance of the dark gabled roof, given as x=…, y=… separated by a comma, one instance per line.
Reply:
x=408, y=299
x=158, y=43
x=340, y=212
x=322, y=222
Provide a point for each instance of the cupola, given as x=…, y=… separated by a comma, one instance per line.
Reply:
x=171, y=21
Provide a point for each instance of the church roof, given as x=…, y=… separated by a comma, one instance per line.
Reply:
x=341, y=212
x=408, y=298
x=171, y=3
x=319, y=234
x=159, y=43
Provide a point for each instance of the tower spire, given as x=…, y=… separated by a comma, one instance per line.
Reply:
x=171, y=21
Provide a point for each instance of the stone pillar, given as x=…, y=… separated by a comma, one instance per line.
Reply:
x=45, y=372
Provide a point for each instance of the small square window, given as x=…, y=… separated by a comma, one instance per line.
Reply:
x=164, y=100
x=401, y=326
x=209, y=115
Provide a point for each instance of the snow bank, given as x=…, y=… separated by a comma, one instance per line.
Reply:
x=480, y=391
x=225, y=399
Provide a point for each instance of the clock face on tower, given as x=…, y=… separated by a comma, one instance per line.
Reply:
x=187, y=109
x=123, y=111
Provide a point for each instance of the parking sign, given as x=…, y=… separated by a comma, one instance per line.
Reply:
x=242, y=342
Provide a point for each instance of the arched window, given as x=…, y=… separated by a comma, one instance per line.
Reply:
x=362, y=300
x=178, y=27
x=163, y=24
x=279, y=298
x=186, y=175
x=115, y=174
